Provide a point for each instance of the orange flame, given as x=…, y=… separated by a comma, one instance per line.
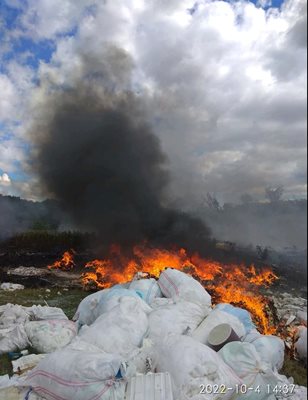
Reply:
x=227, y=283
x=66, y=263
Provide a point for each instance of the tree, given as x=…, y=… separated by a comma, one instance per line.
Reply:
x=274, y=194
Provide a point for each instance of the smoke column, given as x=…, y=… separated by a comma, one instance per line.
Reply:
x=98, y=157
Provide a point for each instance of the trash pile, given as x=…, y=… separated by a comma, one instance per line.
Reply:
x=292, y=314
x=146, y=339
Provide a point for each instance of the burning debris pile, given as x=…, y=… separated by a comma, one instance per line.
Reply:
x=165, y=330
x=228, y=283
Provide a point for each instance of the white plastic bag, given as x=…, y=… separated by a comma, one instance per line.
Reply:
x=48, y=336
x=13, y=338
x=148, y=288
x=13, y=314
x=193, y=367
x=217, y=317
x=177, y=318
x=87, y=311
x=96, y=304
x=119, y=331
x=271, y=350
x=40, y=313
x=243, y=315
x=160, y=302
x=11, y=286
x=244, y=359
x=301, y=344
x=300, y=393
x=72, y=374
x=113, y=297
x=178, y=285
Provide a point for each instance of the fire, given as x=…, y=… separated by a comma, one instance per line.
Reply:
x=227, y=283
x=66, y=263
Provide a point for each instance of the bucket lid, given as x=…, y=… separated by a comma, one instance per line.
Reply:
x=220, y=334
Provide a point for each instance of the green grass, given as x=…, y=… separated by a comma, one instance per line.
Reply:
x=295, y=369
x=67, y=300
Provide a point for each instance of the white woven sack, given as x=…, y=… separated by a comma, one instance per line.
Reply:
x=48, y=336
x=178, y=285
x=195, y=369
x=119, y=331
x=72, y=374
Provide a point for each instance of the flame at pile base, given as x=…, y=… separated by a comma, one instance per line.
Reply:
x=66, y=263
x=228, y=283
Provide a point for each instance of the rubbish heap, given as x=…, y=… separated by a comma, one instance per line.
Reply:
x=146, y=339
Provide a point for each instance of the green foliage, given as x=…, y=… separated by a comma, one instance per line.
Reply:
x=41, y=240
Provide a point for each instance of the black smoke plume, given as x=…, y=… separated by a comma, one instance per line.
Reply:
x=98, y=157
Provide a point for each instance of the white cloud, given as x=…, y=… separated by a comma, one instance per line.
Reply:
x=224, y=87
x=5, y=179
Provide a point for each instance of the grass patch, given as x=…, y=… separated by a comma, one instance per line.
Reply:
x=68, y=300
x=295, y=369
x=5, y=365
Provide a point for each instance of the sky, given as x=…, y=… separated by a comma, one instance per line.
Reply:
x=224, y=85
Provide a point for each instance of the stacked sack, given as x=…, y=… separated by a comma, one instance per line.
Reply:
x=157, y=326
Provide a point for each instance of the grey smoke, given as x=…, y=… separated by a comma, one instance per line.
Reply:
x=96, y=154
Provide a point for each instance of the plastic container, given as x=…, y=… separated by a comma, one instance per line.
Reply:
x=221, y=335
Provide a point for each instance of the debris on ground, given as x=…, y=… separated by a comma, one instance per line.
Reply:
x=11, y=286
x=149, y=338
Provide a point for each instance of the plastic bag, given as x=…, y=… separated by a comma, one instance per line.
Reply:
x=301, y=344
x=178, y=285
x=13, y=314
x=14, y=338
x=87, y=311
x=73, y=374
x=258, y=377
x=195, y=369
x=48, y=336
x=119, y=331
x=177, y=318
x=40, y=313
x=112, y=298
x=217, y=317
x=271, y=350
x=148, y=288
x=243, y=315
x=96, y=304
